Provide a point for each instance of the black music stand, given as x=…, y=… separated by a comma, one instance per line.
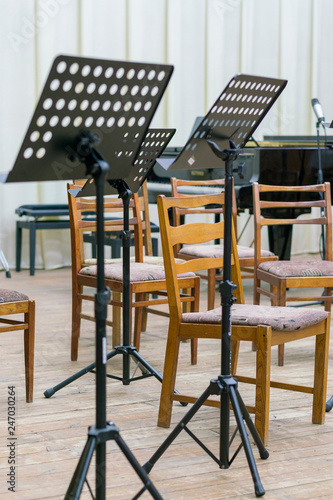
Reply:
x=86, y=102
x=155, y=141
x=222, y=133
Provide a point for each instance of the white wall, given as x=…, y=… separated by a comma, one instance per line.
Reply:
x=207, y=41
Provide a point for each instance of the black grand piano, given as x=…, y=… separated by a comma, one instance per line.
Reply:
x=278, y=160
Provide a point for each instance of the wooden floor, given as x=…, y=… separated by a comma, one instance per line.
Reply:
x=52, y=432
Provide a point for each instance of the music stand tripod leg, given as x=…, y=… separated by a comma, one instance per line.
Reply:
x=225, y=385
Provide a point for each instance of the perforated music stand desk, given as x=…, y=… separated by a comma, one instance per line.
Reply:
x=220, y=136
x=88, y=102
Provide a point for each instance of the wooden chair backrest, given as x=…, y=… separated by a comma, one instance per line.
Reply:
x=80, y=222
x=306, y=201
x=202, y=185
x=190, y=234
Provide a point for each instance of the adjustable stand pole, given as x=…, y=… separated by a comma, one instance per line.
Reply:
x=224, y=385
x=102, y=431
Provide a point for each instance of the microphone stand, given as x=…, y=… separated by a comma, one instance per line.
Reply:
x=320, y=180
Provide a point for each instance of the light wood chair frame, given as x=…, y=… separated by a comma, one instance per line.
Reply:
x=264, y=336
x=278, y=286
x=27, y=308
x=139, y=290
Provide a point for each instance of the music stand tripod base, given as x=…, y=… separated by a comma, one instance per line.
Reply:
x=220, y=136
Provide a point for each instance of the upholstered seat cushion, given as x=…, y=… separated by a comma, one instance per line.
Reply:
x=11, y=296
x=285, y=268
x=279, y=318
x=139, y=271
x=216, y=251
x=150, y=259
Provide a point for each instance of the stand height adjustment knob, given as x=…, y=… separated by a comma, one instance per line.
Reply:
x=240, y=170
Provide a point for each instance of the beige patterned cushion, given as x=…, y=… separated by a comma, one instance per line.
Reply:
x=298, y=268
x=147, y=260
x=11, y=296
x=279, y=318
x=139, y=271
x=216, y=251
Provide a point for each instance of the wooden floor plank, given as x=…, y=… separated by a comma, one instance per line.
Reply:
x=52, y=432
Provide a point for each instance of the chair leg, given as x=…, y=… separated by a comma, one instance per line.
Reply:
x=138, y=317
x=32, y=247
x=169, y=377
x=194, y=351
x=320, y=377
x=263, y=375
x=328, y=303
x=256, y=294
x=281, y=301
x=144, y=315
x=211, y=289
x=116, y=321
x=195, y=292
x=76, y=321
x=281, y=355
x=18, y=246
x=234, y=345
x=29, y=351
x=256, y=301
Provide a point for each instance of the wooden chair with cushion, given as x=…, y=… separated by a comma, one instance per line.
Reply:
x=145, y=278
x=282, y=276
x=12, y=302
x=245, y=254
x=268, y=326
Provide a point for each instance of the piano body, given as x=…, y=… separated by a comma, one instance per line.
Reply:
x=291, y=160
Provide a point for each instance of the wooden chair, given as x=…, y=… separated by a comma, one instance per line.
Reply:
x=268, y=326
x=284, y=275
x=245, y=254
x=12, y=302
x=113, y=239
x=146, y=278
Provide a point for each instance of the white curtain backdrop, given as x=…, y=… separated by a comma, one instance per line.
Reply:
x=207, y=41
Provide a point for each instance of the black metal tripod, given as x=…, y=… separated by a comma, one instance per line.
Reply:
x=225, y=385
x=102, y=431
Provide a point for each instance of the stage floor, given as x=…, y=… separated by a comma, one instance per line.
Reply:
x=52, y=432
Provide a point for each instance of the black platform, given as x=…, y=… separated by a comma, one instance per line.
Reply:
x=33, y=222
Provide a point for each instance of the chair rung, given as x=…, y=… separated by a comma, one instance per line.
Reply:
x=209, y=402
x=92, y=318
x=278, y=385
x=190, y=399
x=146, y=303
x=14, y=328
x=328, y=298
x=262, y=291
x=157, y=313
